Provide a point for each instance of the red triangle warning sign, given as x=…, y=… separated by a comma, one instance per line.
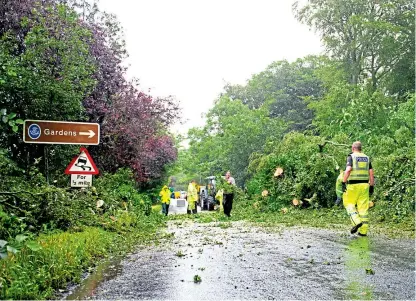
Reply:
x=82, y=165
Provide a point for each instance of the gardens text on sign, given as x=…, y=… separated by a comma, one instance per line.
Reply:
x=61, y=132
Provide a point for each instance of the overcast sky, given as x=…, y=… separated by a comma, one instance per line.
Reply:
x=191, y=48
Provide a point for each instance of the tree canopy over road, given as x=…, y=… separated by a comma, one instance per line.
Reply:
x=304, y=115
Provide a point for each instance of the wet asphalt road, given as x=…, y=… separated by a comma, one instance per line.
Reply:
x=248, y=262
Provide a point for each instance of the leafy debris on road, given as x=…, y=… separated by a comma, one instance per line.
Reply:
x=197, y=279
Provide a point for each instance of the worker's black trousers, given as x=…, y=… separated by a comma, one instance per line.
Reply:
x=228, y=203
x=165, y=209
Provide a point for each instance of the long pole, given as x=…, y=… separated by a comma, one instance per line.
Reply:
x=46, y=155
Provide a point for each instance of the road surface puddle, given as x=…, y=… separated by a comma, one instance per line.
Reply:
x=234, y=261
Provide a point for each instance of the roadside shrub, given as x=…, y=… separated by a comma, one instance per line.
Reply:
x=309, y=172
x=119, y=190
x=29, y=204
x=309, y=165
x=32, y=205
x=395, y=187
x=10, y=224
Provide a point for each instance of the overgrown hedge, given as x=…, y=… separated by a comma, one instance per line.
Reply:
x=64, y=256
x=310, y=170
x=49, y=234
x=29, y=204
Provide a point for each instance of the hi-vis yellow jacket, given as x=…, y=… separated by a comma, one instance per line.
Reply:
x=165, y=195
x=360, y=167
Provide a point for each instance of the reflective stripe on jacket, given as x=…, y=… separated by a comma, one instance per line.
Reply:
x=360, y=167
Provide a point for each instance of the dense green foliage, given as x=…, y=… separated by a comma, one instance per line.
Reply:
x=57, y=63
x=373, y=40
x=303, y=116
x=110, y=217
x=307, y=172
x=283, y=86
x=239, y=132
x=29, y=204
x=63, y=256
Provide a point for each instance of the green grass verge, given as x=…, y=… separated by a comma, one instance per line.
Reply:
x=330, y=218
x=65, y=256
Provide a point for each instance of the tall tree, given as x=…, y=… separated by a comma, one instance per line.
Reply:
x=285, y=87
x=232, y=134
x=62, y=60
x=374, y=39
x=45, y=69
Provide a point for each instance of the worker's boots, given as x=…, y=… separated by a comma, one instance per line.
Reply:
x=355, y=228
